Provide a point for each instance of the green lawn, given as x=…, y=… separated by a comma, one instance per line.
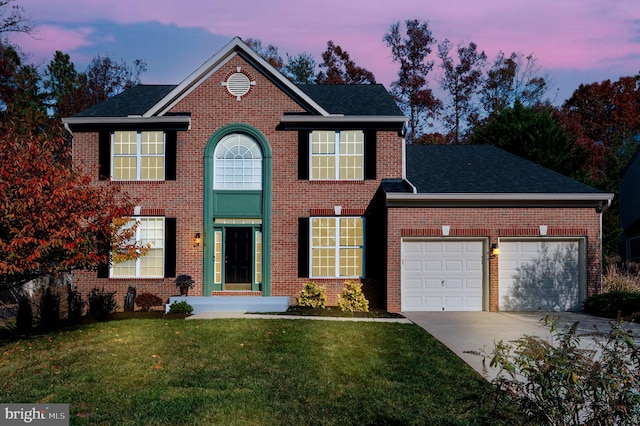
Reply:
x=246, y=372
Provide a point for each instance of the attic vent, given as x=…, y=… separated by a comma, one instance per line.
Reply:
x=238, y=84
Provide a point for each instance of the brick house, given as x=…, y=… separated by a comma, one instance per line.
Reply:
x=254, y=186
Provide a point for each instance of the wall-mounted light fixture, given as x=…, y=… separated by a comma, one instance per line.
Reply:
x=197, y=240
x=494, y=250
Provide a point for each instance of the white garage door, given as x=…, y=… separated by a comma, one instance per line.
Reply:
x=539, y=275
x=442, y=275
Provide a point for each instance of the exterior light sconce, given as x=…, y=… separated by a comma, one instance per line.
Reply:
x=494, y=250
x=197, y=240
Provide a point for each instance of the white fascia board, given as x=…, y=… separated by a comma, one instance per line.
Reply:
x=214, y=63
x=343, y=119
x=604, y=199
x=171, y=119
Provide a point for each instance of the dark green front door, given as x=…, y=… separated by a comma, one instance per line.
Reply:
x=238, y=259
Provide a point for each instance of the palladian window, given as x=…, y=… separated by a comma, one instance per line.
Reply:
x=237, y=164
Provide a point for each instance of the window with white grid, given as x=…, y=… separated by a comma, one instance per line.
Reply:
x=237, y=164
x=138, y=155
x=337, y=155
x=150, y=231
x=337, y=247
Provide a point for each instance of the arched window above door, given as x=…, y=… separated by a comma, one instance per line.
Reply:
x=237, y=163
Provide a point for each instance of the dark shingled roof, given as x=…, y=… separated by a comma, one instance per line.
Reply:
x=352, y=99
x=364, y=99
x=482, y=169
x=135, y=101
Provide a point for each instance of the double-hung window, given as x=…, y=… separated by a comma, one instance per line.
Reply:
x=337, y=247
x=337, y=155
x=138, y=155
x=150, y=231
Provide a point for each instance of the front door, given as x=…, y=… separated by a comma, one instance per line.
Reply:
x=238, y=259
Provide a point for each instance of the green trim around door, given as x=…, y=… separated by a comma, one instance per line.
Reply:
x=251, y=204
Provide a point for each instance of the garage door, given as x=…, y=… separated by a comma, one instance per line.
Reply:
x=539, y=275
x=442, y=275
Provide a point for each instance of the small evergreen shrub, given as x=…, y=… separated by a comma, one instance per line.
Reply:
x=147, y=300
x=352, y=299
x=24, y=317
x=75, y=304
x=102, y=304
x=609, y=305
x=181, y=307
x=49, y=307
x=312, y=296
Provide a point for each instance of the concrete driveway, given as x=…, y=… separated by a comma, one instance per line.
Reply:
x=475, y=331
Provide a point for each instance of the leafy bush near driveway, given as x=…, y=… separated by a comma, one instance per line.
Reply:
x=312, y=295
x=610, y=305
x=560, y=383
x=147, y=300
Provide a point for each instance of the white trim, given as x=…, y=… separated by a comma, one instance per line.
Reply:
x=341, y=118
x=500, y=199
x=131, y=120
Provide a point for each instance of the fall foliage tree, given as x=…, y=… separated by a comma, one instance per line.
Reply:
x=411, y=89
x=268, y=53
x=338, y=68
x=52, y=219
x=460, y=81
x=511, y=79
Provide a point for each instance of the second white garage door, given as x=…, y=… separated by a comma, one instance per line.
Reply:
x=442, y=275
x=541, y=275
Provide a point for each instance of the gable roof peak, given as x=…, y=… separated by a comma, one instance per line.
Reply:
x=234, y=47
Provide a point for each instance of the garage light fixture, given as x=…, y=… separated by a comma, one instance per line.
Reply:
x=494, y=250
x=197, y=240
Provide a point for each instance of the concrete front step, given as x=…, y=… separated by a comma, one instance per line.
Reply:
x=203, y=304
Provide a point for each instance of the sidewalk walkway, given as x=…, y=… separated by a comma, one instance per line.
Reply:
x=222, y=315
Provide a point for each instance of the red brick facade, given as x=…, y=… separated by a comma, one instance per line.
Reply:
x=490, y=224
x=211, y=107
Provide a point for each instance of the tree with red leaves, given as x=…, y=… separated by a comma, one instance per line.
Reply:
x=52, y=220
x=338, y=68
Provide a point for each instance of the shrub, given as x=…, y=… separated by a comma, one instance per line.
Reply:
x=49, y=307
x=102, y=304
x=181, y=307
x=312, y=296
x=622, y=279
x=75, y=304
x=558, y=382
x=352, y=299
x=148, y=300
x=24, y=317
x=610, y=305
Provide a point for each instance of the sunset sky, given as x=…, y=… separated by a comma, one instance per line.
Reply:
x=574, y=41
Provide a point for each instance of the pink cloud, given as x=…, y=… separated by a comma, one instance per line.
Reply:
x=563, y=34
x=46, y=39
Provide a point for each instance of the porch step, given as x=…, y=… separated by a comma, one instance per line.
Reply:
x=233, y=303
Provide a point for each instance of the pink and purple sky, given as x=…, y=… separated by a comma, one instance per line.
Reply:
x=575, y=41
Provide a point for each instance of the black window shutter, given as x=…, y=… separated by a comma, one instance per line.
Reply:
x=170, y=247
x=370, y=142
x=303, y=247
x=303, y=155
x=103, y=271
x=170, y=155
x=104, y=155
